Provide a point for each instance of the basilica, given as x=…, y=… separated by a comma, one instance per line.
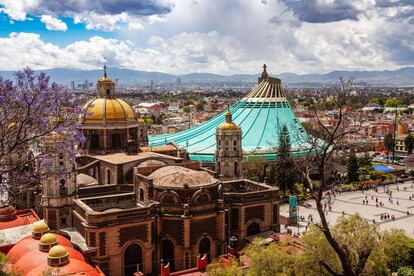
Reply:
x=129, y=207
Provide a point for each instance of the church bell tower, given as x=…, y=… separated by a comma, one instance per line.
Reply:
x=59, y=185
x=229, y=152
x=105, y=87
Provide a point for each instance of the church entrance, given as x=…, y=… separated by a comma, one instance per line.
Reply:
x=167, y=254
x=204, y=248
x=253, y=229
x=132, y=260
x=116, y=141
x=94, y=141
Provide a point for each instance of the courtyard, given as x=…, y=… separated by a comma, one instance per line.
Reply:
x=388, y=212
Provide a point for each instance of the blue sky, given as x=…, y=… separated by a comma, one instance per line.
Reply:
x=226, y=37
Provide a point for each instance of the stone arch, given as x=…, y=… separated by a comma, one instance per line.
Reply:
x=132, y=257
x=201, y=196
x=168, y=246
x=253, y=228
x=204, y=247
x=169, y=197
x=201, y=245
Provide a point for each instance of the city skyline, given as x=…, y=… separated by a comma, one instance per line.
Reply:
x=223, y=37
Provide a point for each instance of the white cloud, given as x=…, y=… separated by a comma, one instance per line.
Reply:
x=17, y=9
x=226, y=37
x=53, y=24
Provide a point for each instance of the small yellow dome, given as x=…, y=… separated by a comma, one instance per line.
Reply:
x=40, y=227
x=228, y=123
x=48, y=239
x=57, y=252
x=105, y=79
x=108, y=110
x=228, y=126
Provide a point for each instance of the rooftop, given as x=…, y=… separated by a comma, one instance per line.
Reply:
x=177, y=176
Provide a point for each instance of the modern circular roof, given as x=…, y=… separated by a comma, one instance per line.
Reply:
x=260, y=115
x=108, y=111
x=177, y=177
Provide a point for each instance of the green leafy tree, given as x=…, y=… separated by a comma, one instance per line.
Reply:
x=149, y=121
x=405, y=271
x=284, y=163
x=377, y=100
x=352, y=167
x=388, y=144
x=269, y=260
x=254, y=168
x=382, y=252
x=392, y=102
x=5, y=267
x=409, y=143
x=216, y=268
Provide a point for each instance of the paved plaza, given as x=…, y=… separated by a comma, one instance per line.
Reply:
x=400, y=207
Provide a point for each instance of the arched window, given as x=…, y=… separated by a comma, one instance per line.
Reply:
x=133, y=260
x=204, y=247
x=253, y=229
x=167, y=253
x=62, y=187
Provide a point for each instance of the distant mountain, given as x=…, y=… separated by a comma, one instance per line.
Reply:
x=397, y=78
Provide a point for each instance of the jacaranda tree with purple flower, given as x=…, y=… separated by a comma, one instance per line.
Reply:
x=32, y=109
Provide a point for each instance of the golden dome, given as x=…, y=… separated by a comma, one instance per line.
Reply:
x=40, y=227
x=48, y=239
x=105, y=79
x=108, y=110
x=228, y=126
x=57, y=252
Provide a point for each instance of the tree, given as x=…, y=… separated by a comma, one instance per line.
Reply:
x=6, y=269
x=353, y=175
x=409, y=143
x=31, y=109
x=316, y=168
x=388, y=144
x=186, y=109
x=392, y=102
x=216, y=268
x=149, y=121
x=284, y=163
x=254, y=168
x=270, y=260
x=382, y=252
x=200, y=107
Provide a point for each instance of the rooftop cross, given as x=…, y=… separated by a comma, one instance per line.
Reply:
x=264, y=67
x=104, y=67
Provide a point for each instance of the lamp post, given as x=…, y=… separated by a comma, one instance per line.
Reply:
x=298, y=220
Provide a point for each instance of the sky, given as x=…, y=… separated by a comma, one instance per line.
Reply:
x=215, y=36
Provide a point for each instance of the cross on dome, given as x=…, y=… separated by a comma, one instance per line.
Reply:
x=104, y=67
